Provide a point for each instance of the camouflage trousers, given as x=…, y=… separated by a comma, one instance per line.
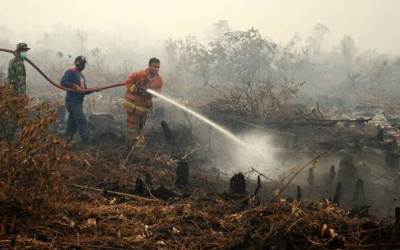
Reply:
x=19, y=89
x=9, y=129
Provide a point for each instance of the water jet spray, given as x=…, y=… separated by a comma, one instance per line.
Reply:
x=224, y=131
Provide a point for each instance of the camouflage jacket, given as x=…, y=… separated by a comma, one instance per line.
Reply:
x=17, y=75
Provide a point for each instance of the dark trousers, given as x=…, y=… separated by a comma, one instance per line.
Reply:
x=76, y=120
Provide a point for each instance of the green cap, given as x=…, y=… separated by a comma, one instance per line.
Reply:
x=22, y=47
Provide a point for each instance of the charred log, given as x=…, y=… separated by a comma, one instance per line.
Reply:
x=338, y=193
x=237, y=184
x=167, y=131
x=182, y=174
x=140, y=187
x=298, y=193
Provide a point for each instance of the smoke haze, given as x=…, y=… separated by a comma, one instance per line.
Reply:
x=369, y=22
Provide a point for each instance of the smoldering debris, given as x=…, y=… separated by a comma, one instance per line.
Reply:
x=161, y=199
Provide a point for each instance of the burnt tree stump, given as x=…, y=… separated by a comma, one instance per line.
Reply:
x=338, y=193
x=167, y=131
x=258, y=186
x=298, y=193
x=164, y=193
x=237, y=184
x=346, y=175
x=182, y=174
x=359, y=194
x=140, y=187
x=330, y=180
x=310, y=181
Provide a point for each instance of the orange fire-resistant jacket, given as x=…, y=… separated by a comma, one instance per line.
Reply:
x=142, y=79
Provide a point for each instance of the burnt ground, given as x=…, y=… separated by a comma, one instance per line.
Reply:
x=123, y=199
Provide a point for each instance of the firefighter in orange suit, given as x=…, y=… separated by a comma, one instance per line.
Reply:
x=138, y=102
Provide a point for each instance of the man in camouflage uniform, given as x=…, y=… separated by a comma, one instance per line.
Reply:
x=16, y=70
x=17, y=80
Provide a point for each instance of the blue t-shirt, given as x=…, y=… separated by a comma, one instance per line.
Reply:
x=73, y=76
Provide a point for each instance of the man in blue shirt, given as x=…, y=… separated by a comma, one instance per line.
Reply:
x=74, y=79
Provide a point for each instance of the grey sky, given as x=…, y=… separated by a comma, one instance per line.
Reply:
x=372, y=23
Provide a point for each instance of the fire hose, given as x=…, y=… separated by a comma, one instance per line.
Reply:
x=61, y=87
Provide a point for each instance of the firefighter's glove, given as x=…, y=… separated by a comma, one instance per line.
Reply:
x=143, y=92
x=133, y=89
